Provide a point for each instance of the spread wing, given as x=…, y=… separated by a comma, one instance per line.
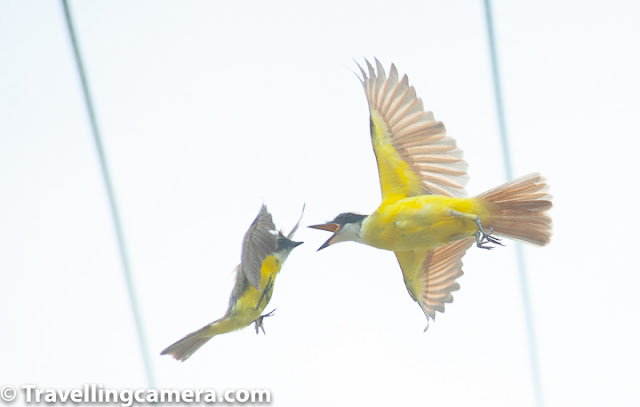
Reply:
x=259, y=242
x=430, y=276
x=413, y=152
x=293, y=231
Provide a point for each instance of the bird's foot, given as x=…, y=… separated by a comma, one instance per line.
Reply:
x=265, y=292
x=484, y=238
x=259, y=322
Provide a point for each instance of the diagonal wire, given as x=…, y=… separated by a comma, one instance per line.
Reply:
x=124, y=257
x=522, y=271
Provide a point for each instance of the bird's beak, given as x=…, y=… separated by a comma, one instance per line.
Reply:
x=329, y=227
x=296, y=244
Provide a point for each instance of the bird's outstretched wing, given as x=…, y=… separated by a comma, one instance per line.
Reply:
x=293, y=231
x=413, y=152
x=430, y=275
x=259, y=242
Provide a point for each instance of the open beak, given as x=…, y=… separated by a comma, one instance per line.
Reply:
x=329, y=227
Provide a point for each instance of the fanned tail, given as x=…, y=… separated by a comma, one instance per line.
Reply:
x=518, y=209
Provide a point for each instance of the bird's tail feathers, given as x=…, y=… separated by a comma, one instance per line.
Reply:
x=518, y=209
x=187, y=346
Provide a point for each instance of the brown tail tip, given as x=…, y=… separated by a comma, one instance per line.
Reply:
x=518, y=209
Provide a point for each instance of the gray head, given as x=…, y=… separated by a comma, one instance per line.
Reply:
x=285, y=246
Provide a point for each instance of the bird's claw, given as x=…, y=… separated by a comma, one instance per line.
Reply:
x=484, y=238
x=259, y=322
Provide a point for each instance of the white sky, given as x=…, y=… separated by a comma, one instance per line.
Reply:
x=209, y=108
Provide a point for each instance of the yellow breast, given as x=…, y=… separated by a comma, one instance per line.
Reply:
x=420, y=222
x=252, y=302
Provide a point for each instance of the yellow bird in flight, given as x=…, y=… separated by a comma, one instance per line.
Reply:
x=263, y=252
x=424, y=216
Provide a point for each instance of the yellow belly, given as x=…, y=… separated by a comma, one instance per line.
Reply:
x=421, y=222
x=252, y=302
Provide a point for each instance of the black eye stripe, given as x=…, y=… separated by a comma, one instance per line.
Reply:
x=348, y=217
x=284, y=243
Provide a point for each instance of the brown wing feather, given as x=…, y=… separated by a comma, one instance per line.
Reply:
x=407, y=140
x=259, y=242
x=441, y=267
x=430, y=276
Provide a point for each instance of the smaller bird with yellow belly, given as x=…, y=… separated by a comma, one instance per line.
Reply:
x=264, y=250
x=425, y=217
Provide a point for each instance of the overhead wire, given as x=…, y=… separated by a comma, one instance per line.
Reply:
x=115, y=213
x=508, y=169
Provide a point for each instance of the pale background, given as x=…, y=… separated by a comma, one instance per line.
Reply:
x=210, y=108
